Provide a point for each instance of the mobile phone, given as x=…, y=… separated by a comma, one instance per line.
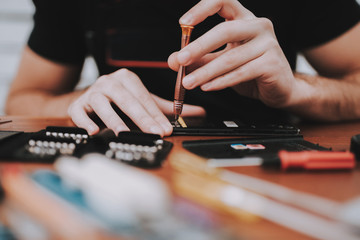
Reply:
x=229, y=127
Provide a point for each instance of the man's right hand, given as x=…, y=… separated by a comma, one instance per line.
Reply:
x=124, y=89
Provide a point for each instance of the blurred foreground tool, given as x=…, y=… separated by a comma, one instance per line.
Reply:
x=61, y=220
x=309, y=160
x=245, y=197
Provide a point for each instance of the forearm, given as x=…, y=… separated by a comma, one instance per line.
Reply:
x=42, y=87
x=40, y=103
x=326, y=99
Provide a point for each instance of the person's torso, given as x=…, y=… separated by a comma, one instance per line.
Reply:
x=144, y=33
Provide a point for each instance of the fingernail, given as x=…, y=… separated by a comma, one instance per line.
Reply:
x=167, y=127
x=92, y=129
x=156, y=130
x=186, y=19
x=184, y=57
x=188, y=81
x=206, y=87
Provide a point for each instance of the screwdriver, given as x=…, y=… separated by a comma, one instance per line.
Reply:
x=179, y=89
x=309, y=160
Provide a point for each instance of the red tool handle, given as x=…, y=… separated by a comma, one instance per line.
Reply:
x=317, y=160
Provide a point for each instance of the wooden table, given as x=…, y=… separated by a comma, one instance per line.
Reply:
x=339, y=186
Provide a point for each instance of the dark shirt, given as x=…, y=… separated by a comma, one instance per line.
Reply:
x=118, y=32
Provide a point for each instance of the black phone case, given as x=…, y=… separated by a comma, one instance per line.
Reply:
x=263, y=146
x=230, y=127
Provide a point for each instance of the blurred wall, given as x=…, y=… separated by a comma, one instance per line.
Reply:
x=15, y=24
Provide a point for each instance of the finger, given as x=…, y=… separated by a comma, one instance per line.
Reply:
x=256, y=79
x=193, y=110
x=188, y=110
x=228, y=61
x=174, y=64
x=223, y=33
x=102, y=107
x=133, y=84
x=172, y=61
x=157, y=114
x=248, y=81
x=245, y=73
x=81, y=119
x=228, y=9
x=133, y=109
x=137, y=113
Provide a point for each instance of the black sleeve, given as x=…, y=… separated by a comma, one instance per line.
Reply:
x=320, y=21
x=57, y=33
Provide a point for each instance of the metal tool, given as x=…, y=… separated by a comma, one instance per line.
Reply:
x=179, y=89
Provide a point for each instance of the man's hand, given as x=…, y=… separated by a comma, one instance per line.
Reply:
x=252, y=62
x=124, y=89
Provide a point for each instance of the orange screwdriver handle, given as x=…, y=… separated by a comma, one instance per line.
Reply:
x=316, y=160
